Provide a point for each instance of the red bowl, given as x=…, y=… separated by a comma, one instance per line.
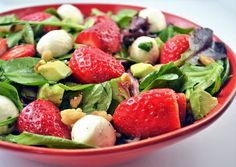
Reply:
x=118, y=154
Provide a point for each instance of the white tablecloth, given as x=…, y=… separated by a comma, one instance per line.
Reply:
x=214, y=146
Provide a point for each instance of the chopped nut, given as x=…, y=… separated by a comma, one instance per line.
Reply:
x=41, y=62
x=16, y=28
x=74, y=103
x=47, y=55
x=206, y=60
x=103, y=114
x=70, y=116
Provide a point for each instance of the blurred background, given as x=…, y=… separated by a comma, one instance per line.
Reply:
x=214, y=146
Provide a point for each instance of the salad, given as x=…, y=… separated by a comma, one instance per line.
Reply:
x=73, y=81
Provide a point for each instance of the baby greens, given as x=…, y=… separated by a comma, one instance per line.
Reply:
x=31, y=139
x=22, y=71
x=10, y=91
x=169, y=76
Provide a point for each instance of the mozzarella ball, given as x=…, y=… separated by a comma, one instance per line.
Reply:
x=155, y=18
x=57, y=42
x=7, y=109
x=142, y=55
x=94, y=130
x=71, y=12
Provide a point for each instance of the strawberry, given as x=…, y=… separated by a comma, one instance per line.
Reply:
x=104, y=35
x=99, y=19
x=173, y=48
x=40, y=16
x=3, y=46
x=151, y=113
x=42, y=117
x=91, y=65
x=182, y=103
x=18, y=51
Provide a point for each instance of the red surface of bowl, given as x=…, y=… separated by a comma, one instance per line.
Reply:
x=118, y=154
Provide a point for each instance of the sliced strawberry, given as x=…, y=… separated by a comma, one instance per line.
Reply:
x=151, y=113
x=18, y=51
x=182, y=103
x=42, y=117
x=173, y=48
x=91, y=65
x=104, y=35
x=40, y=16
x=3, y=46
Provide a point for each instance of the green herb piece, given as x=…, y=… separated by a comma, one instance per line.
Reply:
x=31, y=139
x=74, y=87
x=123, y=17
x=11, y=92
x=202, y=103
x=169, y=76
x=21, y=71
x=146, y=46
x=201, y=77
x=96, y=98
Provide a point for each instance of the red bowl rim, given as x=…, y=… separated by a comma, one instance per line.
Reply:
x=215, y=113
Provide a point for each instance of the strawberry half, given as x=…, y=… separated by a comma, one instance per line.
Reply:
x=182, y=103
x=91, y=65
x=149, y=114
x=19, y=51
x=104, y=35
x=173, y=48
x=42, y=117
x=3, y=46
x=40, y=16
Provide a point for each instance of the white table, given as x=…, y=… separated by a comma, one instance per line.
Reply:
x=214, y=146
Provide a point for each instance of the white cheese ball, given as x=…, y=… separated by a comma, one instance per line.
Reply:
x=94, y=130
x=141, y=55
x=57, y=42
x=7, y=109
x=155, y=18
x=71, y=12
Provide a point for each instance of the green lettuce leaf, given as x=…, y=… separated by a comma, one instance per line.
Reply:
x=30, y=139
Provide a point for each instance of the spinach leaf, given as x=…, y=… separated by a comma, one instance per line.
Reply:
x=8, y=121
x=49, y=22
x=97, y=12
x=96, y=98
x=202, y=77
x=21, y=71
x=74, y=87
x=171, y=31
x=28, y=34
x=52, y=11
x=65, y=57
x=226, y=73
x=123, y=17
x=169, y=76
x=31, y=139
x=14, y=38
x=8, y=18
x=10, y=92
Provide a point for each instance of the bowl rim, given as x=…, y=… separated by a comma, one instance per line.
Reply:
x=214, y=114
